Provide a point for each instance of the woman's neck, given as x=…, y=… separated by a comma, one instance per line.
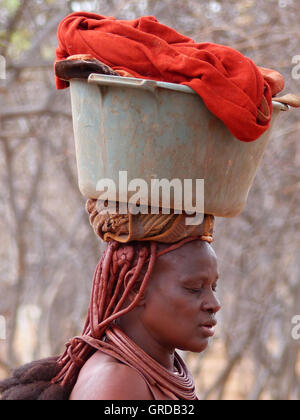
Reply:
x=148, y=343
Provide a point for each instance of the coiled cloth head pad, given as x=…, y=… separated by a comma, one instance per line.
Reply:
x=164, y=228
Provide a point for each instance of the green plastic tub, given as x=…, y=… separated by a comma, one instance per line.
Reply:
x=160, y=130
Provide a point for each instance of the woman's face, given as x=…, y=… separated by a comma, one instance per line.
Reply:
x=180, y=300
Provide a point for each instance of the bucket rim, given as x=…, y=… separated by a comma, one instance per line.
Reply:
x=149, y=84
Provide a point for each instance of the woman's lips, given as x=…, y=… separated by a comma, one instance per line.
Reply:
x=207, y=330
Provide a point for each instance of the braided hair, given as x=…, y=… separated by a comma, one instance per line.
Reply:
x=33, y=382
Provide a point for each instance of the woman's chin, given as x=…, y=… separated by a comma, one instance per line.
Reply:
x=196, y=347
x=202, y=347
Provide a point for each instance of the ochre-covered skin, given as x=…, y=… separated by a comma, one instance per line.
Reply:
x=178, y=301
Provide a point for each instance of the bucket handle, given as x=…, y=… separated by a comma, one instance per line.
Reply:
x=130, y=82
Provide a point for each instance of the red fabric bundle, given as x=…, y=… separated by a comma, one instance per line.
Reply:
x=230, y=84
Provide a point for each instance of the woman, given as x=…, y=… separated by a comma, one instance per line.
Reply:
x=177, y=310
x=151, y=294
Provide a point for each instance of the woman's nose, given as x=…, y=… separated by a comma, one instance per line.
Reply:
x=211, y=303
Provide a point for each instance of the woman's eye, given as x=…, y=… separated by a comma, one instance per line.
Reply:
x=195, y=290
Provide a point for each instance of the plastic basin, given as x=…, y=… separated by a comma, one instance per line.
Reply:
x=160, y=130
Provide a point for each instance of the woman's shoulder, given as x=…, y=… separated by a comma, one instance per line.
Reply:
x=105, y=378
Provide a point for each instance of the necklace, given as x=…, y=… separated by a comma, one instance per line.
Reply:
x=177, y=385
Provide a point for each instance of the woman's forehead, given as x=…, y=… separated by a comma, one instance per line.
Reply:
x=193, y=258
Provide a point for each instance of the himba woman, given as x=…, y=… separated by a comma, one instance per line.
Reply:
x=153, y=292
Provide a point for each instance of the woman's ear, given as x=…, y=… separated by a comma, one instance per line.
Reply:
x=135, y=288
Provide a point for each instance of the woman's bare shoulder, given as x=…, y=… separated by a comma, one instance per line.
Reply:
x=105, y=378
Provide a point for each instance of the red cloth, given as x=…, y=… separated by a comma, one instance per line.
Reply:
x=230, y=84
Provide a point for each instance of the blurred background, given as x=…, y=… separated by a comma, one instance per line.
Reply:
x=48, y=250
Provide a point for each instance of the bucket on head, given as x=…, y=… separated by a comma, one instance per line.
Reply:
x=158, y=130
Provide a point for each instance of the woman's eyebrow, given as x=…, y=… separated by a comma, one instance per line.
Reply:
x=198, y=279
x=194, y=279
